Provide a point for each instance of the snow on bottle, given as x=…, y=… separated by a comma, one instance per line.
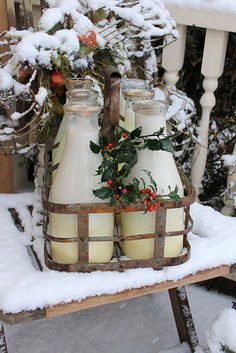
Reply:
x=73, y=183
x=151, y=117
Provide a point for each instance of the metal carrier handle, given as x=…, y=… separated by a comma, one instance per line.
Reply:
x=111, y=112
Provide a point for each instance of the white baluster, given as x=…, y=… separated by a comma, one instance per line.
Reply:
x=173, y=58
x=212, y=68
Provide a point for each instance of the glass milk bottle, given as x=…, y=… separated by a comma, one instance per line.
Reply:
x=74, y=87
x=151, y=116
x=132, y=90
x=73, y=183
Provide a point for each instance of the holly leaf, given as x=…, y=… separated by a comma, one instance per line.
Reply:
x=174, y=195
x=153, y=144
x=103, y=193
x=136, y=133
x=94, y=147
x=103, y=140
x=107, y=174
x=167, y=144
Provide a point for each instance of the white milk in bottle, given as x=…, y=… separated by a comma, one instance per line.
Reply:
x=161, y=164
x=73, y=183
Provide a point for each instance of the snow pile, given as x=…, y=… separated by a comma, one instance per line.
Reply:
x=41, y=96
x=6, y=80
x=229, y=160
x=223, y=332
x=23, y=287
x=216, y=5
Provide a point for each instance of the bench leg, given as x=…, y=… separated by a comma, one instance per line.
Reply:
x=3, y=342
x=183, y=317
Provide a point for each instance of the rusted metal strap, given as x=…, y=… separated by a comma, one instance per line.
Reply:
x=111, y=113
x=83, y=237
x=160, y=228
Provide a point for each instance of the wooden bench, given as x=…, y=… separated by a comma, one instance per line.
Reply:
x=177, y=294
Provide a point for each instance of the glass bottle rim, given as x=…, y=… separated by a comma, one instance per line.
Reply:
x=80, y=82
x=134, y=82
x=77, y=92
x=82, y=107
x=150, y=106
x=138, y=92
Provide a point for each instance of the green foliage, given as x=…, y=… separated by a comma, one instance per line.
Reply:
x=118, y=160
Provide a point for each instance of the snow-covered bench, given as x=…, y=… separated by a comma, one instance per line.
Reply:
x=28, y=290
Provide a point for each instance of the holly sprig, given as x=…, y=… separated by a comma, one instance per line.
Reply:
x=118, y=160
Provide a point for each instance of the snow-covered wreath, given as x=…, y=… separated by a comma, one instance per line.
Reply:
x=76, y=38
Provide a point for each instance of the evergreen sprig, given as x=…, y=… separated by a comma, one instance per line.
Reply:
x=118, y=160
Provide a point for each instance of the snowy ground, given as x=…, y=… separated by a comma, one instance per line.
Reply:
x=142, y=325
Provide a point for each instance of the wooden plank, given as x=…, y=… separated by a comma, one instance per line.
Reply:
x=92, y=302
x=10, y=6
x=28, y=14
x=183, y=317
x=7, y=19
x=22, y=316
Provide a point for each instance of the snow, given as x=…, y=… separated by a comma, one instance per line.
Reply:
x=41, y=96
x=6, y=80
x=217, y=5
x=23, y=287
x=222, y=332
x=229, y=160
x=140, y=325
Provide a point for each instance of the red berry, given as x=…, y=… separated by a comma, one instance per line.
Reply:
x=124, y=135
x=145, y=201
x=109, y=182
x=148, y=191
x=158, y=205
x=150, y=208
x=109, y=146
x=117, y=196
x=142, y=191
x=153, y=195
x=124, y=191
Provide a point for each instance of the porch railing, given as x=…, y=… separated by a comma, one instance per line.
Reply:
x=218, y=24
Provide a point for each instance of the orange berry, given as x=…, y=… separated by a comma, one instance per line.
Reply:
x=57, y=78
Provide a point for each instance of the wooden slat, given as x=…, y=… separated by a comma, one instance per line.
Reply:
x=10, y=13
x=183, y=317
x=92, y=302
x=28, y=14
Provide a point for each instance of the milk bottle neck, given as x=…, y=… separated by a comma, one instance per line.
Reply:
x=151, y=116
x=82, y=117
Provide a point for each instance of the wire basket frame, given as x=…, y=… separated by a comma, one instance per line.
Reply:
x=83, y=210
